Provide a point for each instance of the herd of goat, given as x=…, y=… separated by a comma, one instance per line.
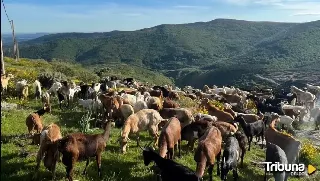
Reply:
x=155, y=109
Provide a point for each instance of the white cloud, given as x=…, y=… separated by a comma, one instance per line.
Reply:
x=297, y=7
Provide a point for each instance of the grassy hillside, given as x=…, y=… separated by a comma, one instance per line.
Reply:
x=215, y=48
x=30, y=69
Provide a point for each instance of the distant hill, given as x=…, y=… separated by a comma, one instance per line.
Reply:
x=222, y=51
x=8, y=40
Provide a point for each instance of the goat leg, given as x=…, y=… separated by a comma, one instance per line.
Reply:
x=250, y=140
x=85, y=168
x=235, y=174
x=170, y=153
x=179, y=148
x=210, y=169
x=218, y=161
x=243, y=152
x=98, y=158
x=262, y=138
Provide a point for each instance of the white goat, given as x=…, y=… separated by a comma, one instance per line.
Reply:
x=139, y=105
x=54, y=88
x=131, y=98
x=286, y=120
x=37, y=88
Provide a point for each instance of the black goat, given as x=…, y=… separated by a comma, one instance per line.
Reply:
x=60, y=98
x=230, y=157
x=242, y=140
x=192, y=132
x=251, y=129
x=170, y=170
x=275, y=154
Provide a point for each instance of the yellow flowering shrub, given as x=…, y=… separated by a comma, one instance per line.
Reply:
x=308, y=152
x=217, y=104
x=187, y=102
x=202, y=110
x=286, y=133
x=252, y=106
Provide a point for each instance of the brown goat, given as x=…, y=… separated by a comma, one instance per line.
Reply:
x=184, y=115
x=213, y=111
x=155, y=103
x=289, y=145
x=173, y=95
x=225, y=128
x=250, y=118
x=230, y=111
x=209, y=149
x=79, y=146
x=49, y=148
x=34, y=122
x=291, y=113
x=168, y=103
x=156, y=93
x=110, y=104
x=170, y=136
x=231, y=98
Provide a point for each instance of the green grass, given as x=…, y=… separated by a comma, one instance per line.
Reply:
x=115, y=166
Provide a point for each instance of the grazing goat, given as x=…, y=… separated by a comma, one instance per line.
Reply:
x=146, y=119
x=213, y=111
x=193, y=131
x=184, y=115
x=275, y=154
x=209, y=149
x=251, y=129
x=125, y=111
x=170, y=170
x=230, y=158
x=169, y=137
x=49, y=148
x=79, y=146
x=34, y=122
x=289, y=145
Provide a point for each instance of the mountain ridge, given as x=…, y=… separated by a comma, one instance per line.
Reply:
x=192, y=49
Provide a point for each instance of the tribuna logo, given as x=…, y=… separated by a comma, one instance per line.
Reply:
x=295, y=169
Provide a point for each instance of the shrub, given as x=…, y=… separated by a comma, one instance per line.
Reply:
x=252, y=106
x=84, y=122
x=48, y=78
x=187, y=102
x=217, y=104
x=202, y=110
x=308, y=152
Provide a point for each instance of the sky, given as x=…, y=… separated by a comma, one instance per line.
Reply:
x=55, y=16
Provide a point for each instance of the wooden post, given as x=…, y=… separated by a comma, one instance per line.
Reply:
x=15, y=44
x=2, y=61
